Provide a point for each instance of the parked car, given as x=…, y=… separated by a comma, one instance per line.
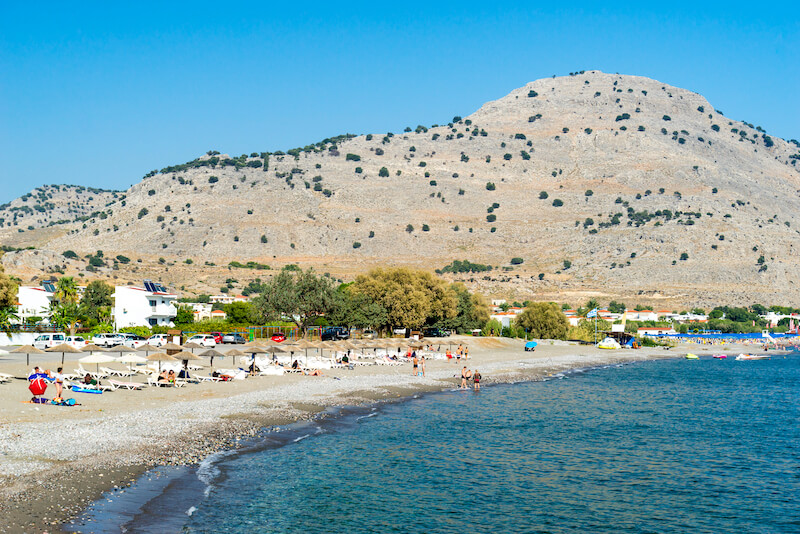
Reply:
x=217, y=336
x=108, y=340
x=335, y=333
x=278, y=337
x=45, y=341
x=233, y=338
x=434, y=332
x=206, y=340
x=133, y=341
x=76, y=341
x=369, y=334
x=158, y=340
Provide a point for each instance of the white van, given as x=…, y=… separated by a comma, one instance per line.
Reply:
x=46, y=341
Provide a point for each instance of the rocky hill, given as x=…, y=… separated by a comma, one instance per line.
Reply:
x=601, y=184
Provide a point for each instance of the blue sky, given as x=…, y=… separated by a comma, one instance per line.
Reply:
x=98, y=94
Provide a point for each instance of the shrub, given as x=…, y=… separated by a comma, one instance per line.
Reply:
x=213, y=179
x=356, y=245
x=567, y=264
x=532, y=94
x=422, y=164
x=624, y=116
x=464, y=158
x=409, y=228
x=491, y=217
x=684, y=256
x=543, y=195
x=541, y=276
x=588, y=130
x=69, y=254
x=371, y=234
x=666, y=118
x=384, y=172
x=263, y=238
x=426, y=228
x=558, y=202
x=641, y=128
x=516, y=261
x=352, y=157
x=379, y=152
x=589, y=193
x=525, y=155
x=151, y=192
x=359, y=170
x=433, y=182
x=123, y=259
x=142, y=213
x=519, y=136
x=715, y=127
x=490, y=186
x=506, y=157
x=714, y=191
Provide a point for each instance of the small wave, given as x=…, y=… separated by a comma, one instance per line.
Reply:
x=190, y=511
x=208, y=471
x=301, y=438
x=373, y=414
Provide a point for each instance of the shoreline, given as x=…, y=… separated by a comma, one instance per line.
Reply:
x=47, y=499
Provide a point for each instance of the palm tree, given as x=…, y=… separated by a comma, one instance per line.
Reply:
x=65, y=306
x=7, y=314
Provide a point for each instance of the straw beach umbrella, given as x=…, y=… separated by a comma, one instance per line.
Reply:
x=233, y=354
x=212, y=353
x=192, y=345
x=63, y=349
x=171, y=348
x=27, y=350
x=160, y=357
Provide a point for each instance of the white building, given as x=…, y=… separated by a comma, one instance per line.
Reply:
x=34, y=301
x=137, y=306
x=221, y=299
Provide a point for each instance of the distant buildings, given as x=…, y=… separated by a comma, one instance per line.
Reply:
x=34, y=301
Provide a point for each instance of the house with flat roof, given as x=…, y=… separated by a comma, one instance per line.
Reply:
x=34, y=301
x=151, y=305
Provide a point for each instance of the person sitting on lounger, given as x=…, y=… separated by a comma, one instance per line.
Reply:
x=89, y=381
x=183, y=373
x=345, y=359
x=163, y=376
x=171, y=376
x=315, y=372
x=295, y=365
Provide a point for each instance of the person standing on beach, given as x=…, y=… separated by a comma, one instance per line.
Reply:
x=466, y=352
x=415, y=364
x=464, y=377
x=476, y=380
x=422, y=365
x=59, y=379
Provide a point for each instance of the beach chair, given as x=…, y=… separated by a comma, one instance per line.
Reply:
x=116, y=372
x=153, y=381
x=98, y=387
x=81, y=372
x=5, y=377
x=116, y=384
x=209, y=378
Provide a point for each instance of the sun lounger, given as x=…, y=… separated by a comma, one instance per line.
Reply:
x=209, y=378
x=5, y=377
x=81, y=372
x=116, y=372
x=116, y=384
x=98, y=387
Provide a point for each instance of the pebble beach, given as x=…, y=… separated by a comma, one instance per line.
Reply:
x=55, y=460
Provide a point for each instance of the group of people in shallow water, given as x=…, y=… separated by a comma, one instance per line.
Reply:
x=467, y=375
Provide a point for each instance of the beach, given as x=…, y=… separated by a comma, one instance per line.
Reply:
x=55, y=460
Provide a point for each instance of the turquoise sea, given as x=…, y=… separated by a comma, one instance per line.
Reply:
x=652, y=447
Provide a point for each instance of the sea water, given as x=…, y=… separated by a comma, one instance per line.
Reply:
x=659, y=446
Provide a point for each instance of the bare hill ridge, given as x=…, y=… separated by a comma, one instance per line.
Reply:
x=620, y=176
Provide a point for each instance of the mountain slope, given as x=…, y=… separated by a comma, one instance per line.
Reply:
x=645, y=174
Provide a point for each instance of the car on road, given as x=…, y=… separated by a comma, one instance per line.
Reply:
x=46, y=341
x=217, y=336
x=233, y=338
x=108, y=340
x=434, y=332
x=335, y=333
x=77, y=342
x=278, y=337
x=133, y=341
x=206, y=340
x=158, y=340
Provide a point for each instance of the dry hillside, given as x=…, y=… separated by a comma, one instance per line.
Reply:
x=620, y=176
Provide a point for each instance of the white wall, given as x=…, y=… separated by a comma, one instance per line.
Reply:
x=134, y=306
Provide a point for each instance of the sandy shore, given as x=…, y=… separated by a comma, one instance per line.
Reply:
x=55, y=460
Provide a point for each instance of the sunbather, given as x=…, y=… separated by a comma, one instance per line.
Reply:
x=89, y=380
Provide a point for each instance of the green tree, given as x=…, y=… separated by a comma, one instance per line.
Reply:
x=8, y=291
x=544, y=320
x=185, y=315
x=64, y=308
x=7, y=315
x=357, y=310
x=412, y=298
x=239, y=312
x=96, y=302
x=296, y=296
x=493, y=327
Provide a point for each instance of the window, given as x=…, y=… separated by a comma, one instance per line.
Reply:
x=152, y=321
x=153, y=303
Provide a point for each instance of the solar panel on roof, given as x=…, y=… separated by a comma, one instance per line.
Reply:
x=148, y=285
x=49, y=287
x=161, y=288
